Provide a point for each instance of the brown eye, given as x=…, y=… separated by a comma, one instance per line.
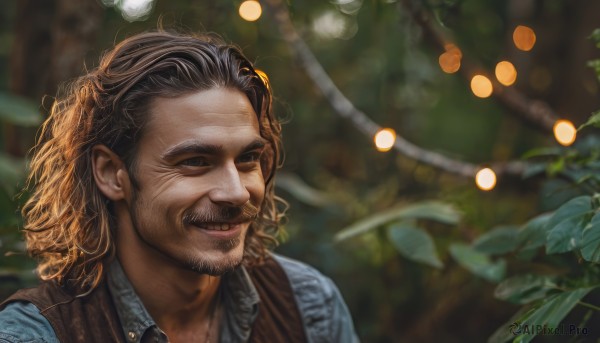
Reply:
x=194, y=162
x=250, y=157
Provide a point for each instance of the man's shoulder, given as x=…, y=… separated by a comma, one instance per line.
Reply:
x=305, y=278
x=322, y=307
x=22, y=322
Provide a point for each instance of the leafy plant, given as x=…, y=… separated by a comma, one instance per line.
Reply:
x=406, y=236
x=549, y=265
x=550, y=284
x=15, y=272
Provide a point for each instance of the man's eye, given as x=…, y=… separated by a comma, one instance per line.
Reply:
x=194, y=162
x=250, y=157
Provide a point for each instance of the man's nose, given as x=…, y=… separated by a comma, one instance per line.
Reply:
x=229, y=188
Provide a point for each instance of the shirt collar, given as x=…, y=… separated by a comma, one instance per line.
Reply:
x=240, y=301
x=134, y=317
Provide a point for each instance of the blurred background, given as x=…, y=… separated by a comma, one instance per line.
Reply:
x=422, y=246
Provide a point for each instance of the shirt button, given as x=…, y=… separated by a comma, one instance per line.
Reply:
x=132, y=336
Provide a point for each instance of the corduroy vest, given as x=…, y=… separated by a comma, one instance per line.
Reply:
x=93, y=318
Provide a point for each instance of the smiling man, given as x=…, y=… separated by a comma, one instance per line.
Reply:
x=152, y=209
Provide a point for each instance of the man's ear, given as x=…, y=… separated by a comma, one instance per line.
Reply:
x=110, y=174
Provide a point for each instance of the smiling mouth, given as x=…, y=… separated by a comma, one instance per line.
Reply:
x=217, y=226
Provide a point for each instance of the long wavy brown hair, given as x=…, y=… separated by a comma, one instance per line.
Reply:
x=69, y=224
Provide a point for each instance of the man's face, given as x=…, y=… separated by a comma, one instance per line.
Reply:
x=200, y=181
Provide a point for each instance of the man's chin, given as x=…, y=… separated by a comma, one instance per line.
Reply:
x=217, y=268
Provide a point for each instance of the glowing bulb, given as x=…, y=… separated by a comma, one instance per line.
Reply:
x=481, y=86
x=384, y=139
x=450, y=60
x=564, y=132
x=524, y=38
x=506, y=73
x=451, y=48
x=250, y=10
x=485, y=179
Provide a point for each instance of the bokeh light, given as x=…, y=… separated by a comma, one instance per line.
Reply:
x=481, y=86
x=450, y=60
x=332, y=24
x=564, y=132
x=132, y=10
x=485, y=179
x=384, y=139
x=250, y=10
x=524, y=38
x=506, y=73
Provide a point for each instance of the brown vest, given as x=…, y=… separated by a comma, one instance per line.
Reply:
x=93, y=318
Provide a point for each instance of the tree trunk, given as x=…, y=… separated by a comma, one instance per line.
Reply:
x=51, y=41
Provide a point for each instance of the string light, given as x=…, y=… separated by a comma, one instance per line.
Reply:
x=481, y=86
x=485, y=179
x=384, y=139
x=564, y=132
x=250, y=10
x=450, y=60
x=506, y=73
x=524, y=38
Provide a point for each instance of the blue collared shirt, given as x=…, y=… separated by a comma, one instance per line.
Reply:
x=324, y=313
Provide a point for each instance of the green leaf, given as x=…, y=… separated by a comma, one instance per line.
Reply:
x=594, y=120
x=432, y=210
x=18, y=110
x=499, y=240
x=11, y=172
x=574, y=207
x=414, y=244
x=478, y=263
x=549, y=312
x=522, y=289
x=504, y=332
x=554, y=168
x=534, y=169
x=590, y=247
x=533, y=234
x=302, y=191
x=555, y=307
x=596, y=36
x=595, y=64
x=543, y=152
x=566, y=236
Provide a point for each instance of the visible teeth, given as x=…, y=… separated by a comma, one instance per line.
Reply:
x=218, y=227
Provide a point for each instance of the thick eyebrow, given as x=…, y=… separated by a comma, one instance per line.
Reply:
x=195, y=147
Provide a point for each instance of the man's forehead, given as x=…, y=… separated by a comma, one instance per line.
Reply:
x=216, y=106
x=218, y=116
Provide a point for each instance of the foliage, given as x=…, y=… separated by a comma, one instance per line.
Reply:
x=18, y=110
x=431, y=210
x=549, y=264
x=555, y=254
x=16, y=271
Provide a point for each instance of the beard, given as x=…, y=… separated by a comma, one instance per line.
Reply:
x=203, y=266
x=218, y=214
x=202, y=263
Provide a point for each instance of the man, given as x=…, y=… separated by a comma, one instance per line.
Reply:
x=152, y=209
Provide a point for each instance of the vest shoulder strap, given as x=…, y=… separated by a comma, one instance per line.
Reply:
x=278, y=318
x=92, y=318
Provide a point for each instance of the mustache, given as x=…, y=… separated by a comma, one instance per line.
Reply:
x=221, y=214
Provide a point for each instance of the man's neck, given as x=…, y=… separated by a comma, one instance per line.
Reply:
x=183, y=303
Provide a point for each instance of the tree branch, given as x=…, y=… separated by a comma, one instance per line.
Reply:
x=361, y=121
x=535, y=112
